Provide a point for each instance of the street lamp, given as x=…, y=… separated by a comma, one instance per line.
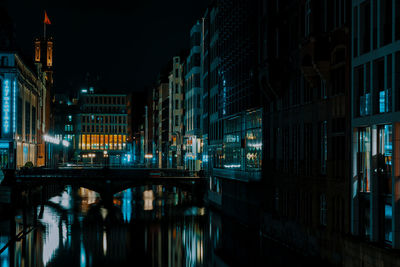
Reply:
x=91, y=156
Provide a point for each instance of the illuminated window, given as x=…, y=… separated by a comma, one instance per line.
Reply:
x=115, y=142
x=83, y=141
x=106, y=146
x=93, y=141
x=119, y=142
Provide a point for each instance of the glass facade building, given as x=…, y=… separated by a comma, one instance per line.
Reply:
x=375, y=121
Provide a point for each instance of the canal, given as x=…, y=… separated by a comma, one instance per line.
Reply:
x=143, y=226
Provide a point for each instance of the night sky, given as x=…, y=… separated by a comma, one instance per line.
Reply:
x=124, y=46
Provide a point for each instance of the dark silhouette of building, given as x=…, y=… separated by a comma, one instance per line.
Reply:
x=304, y=74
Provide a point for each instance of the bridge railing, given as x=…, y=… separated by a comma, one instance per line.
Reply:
x=105, y=171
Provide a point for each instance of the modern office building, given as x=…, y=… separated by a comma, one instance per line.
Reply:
x=193, y=102
x=213, y=122
x=176, y=113
x=375, y=166
x=205, y=85
x=103, y=128
x=235, y=114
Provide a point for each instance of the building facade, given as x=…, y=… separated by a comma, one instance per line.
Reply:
x=233, y=106
x=103, y=129
x=304, y=76
x=162, y=121
x=176, y=112
x=193, y=102
x=375, y=72
x=23, y=122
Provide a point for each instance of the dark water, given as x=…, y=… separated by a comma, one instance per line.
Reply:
x=145, y=226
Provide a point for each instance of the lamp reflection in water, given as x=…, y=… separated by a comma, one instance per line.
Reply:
x=148, y=197
x=126, y=205
x=104, y=243
x=51, y=241
x=193, y=240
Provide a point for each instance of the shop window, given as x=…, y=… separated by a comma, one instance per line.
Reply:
x=364, y=158
x=388, y=221
x=384, y=158
x=232, y=143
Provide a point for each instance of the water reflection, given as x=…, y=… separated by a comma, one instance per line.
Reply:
x=149, y=226
x=155, y=225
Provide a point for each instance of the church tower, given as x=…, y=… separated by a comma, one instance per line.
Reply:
x=44, y=47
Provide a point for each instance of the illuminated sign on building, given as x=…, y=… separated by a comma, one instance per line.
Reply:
x=51, y=140
x=6, y=106
x=14, y=106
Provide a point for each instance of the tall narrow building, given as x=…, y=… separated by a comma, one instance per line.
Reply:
x=193, y=102
x=176, y=114
x=235, y=114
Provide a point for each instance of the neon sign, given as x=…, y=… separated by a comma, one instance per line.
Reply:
x=51, y=140
x=6, y=106
x=14, y=106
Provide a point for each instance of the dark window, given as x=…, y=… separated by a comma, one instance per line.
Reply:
x=4, y=61
x=365, y=27
x=386, y=21
x=355, y=32
x=397, y=20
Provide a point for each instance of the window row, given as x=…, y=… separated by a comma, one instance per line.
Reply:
x=103, y=119
x=374, y=86
x=105, y=100
x=103, y=128
x=373, y=25
x=102, y=142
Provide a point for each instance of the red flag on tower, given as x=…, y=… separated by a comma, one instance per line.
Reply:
x=46, y=18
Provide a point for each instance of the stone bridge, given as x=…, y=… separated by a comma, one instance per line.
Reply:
x=105, y=181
